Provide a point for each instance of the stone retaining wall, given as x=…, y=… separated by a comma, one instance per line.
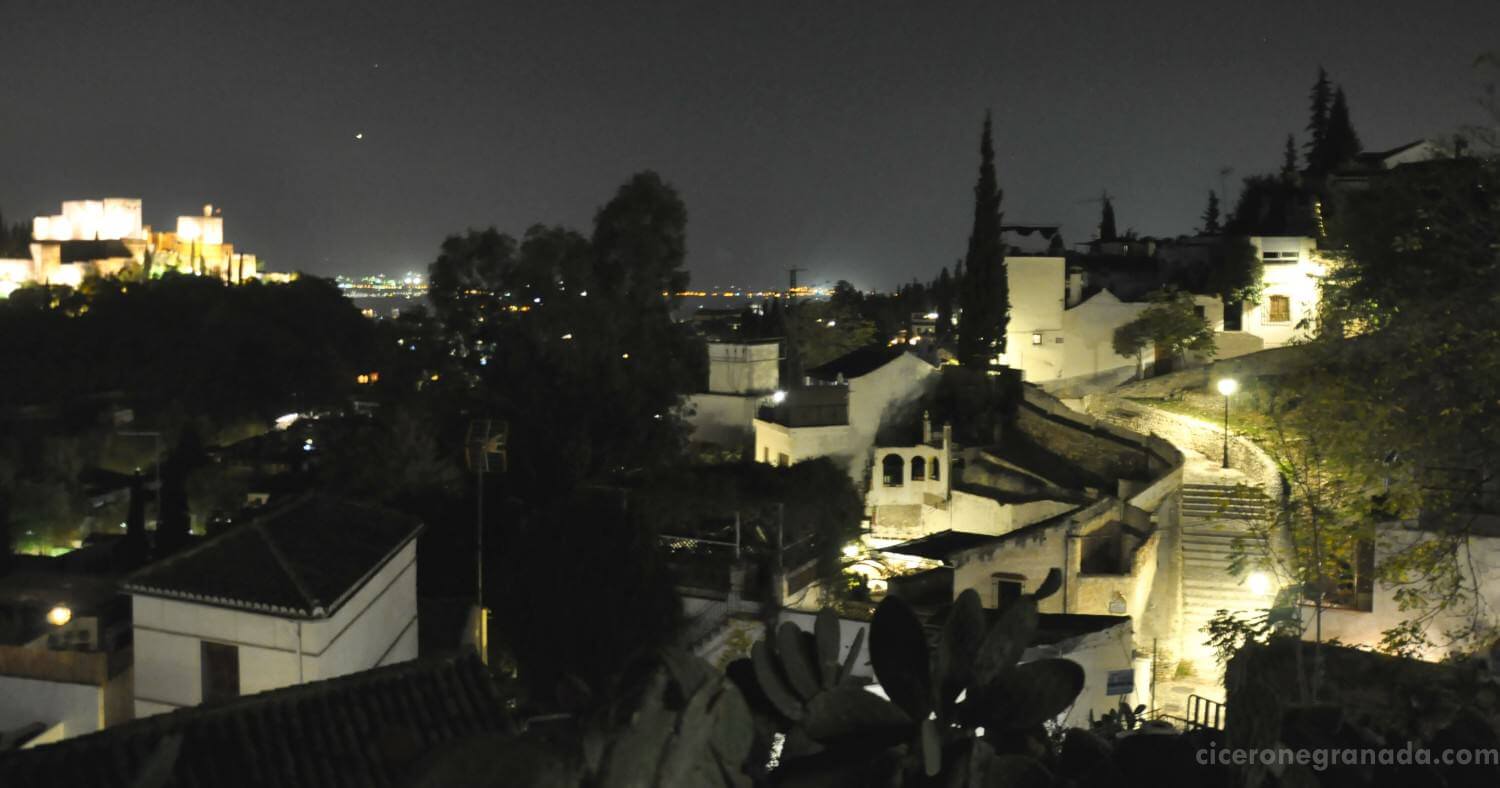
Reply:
x=1193, y=433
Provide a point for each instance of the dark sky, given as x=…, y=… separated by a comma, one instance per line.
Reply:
x=836, y=136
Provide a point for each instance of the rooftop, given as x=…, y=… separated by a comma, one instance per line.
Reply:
x=856, y=363
x=363, y=729
x=302, y=559
x=941, y=545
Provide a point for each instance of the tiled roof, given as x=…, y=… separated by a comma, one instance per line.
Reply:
x=944, y=544
x=856, y=363
x=302, y=559
x=363, y=729
x=940, y=545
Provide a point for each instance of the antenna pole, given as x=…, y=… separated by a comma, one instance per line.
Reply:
x=484, y=627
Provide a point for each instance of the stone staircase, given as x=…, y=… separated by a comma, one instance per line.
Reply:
x=1214, y=516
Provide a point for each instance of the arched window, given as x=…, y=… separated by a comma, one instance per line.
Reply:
x=918, y=469
x=893, y=470
x=935, y=469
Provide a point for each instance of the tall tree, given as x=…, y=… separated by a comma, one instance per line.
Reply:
x=1107, y=230
x=1211, y=215
x=943, y=289
x=1317, y=122
x=174, y=521
x=985, y=298
x=1289, y=160
x=1341, y=143
x=570, y=338
x=1406, y=410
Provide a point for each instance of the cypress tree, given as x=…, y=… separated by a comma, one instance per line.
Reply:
x=1107, y=231
x=943, y=289
x=1211, y=215
x=1317, y=123
x=1289, y=160
x=985, y=297
x=1341, y=143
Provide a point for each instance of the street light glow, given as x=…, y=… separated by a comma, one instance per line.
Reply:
x=59, y=615
x=1260, y=583
x=1228, y=386
x=779, y=397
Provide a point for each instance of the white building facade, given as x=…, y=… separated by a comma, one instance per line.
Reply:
x=201, y=640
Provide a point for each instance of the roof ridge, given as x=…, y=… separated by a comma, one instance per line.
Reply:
x=208, y=542
x=158, y=725
x=314, y=608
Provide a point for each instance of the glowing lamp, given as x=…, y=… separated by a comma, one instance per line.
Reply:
x=779, y=397
x=59, y=615
x=1228, y=386
x=1260, y=583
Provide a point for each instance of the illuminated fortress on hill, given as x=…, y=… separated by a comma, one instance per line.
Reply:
x=106, y=238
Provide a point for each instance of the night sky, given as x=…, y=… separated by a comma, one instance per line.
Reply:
x=840, y=137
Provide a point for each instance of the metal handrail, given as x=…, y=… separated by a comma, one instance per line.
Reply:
x=1204, y=713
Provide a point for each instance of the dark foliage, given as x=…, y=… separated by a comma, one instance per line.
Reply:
x=985, y=294
x=1211, y=215
x=569, y=340
x=222, y=352
x=584, y=595
x=1107, y=230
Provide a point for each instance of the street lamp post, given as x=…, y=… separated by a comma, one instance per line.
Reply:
x=1227, y=387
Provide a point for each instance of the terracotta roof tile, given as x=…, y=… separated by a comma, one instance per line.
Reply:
x=303, y=559
x=326, y=733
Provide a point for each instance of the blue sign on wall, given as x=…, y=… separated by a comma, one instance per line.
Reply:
x=1120, y=682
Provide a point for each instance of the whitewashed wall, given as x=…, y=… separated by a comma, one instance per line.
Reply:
x=77, y=708
x=378, y=625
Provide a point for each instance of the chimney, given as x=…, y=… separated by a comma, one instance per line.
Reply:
x=1075, y=287
x=926, y=427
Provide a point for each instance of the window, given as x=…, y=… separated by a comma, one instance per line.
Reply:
x=1279, y=309
x=933, y=466
x=918, y=469
x=892, y=470
x=221, y=671
x=1007, y=589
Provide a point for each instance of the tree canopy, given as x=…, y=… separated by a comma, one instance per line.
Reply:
x=1169, y=323
x=1399, y=402
x=985, y=295
x=569, y=340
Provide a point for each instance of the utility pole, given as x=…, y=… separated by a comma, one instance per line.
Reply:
x=484, y=451
x=791, y=288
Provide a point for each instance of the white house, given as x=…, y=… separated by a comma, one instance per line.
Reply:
x=841, y=407
x=1290, y=295
x=1359, y=613
x=314, y=589
x=740, y=376
x=1054, y=337
x=64, y=656
x=932, y=487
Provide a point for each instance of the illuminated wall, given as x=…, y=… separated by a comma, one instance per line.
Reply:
x=110, y=219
